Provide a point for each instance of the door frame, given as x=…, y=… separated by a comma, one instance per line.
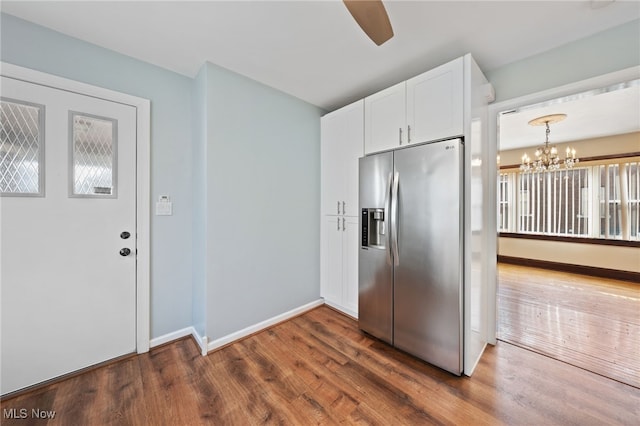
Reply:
x=143, y=178
x=592, y=83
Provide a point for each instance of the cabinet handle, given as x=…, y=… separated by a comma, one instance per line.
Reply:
x=343, y=227
x=400, y=135
x=338, y=207
x=344, y=211
x=338, y=223
x=408, y=134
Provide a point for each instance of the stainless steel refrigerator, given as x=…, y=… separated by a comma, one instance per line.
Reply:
x=411, y=250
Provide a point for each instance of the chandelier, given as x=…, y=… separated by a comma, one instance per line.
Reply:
x=547, y=156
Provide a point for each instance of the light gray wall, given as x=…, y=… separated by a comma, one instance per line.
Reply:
x=611, y=50
x=33, y=46
x=263, y=202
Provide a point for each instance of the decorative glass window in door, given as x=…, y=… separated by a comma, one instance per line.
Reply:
x=94, y=153
x=21, y=148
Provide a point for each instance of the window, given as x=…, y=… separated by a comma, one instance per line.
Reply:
x=633, y=188
x=93, y=142
x=599, y=201
x=503, y=201
x=21, y=148
x=619, y=196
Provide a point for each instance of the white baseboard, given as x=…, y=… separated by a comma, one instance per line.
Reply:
x=174, y=335
x=230, y=338
x=353, y=314
x=202, y=341
x=206, y=346
x=178, y=334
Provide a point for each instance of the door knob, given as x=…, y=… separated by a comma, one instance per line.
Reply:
x=124, y=235
x=125, y=252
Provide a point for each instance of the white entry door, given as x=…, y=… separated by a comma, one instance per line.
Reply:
x=67, y=231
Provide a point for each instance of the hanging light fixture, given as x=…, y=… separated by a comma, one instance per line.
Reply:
x=547, y=156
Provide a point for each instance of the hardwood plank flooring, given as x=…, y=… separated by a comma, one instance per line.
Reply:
x=592, y=323
x=319, y=368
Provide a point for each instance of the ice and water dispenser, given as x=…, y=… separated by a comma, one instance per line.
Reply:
x=373, y=229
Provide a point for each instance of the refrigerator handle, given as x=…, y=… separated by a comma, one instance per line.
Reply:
x=394, y=218
x=387, y=216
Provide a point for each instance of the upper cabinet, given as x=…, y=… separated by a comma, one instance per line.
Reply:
x=385, y=119
x=342, y=144
x=435, y=103
x=427, y=107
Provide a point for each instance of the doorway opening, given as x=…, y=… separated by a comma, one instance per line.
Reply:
x=568, y=238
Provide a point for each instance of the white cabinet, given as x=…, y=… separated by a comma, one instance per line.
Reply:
x=350, y=250
x=385, y=119
x=427, y=107
x=435, y=103
x=331, y=273
x=339, y=263
x=342, y=144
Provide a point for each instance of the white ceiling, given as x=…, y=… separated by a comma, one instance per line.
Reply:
x=314, y=50
x=593, y=114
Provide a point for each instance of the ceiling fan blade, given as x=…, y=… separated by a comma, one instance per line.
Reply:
x=372, y=18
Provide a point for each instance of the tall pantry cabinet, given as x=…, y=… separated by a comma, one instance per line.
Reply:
x=342, y=143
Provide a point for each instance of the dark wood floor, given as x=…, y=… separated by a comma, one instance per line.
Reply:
x=589, y=322
x=320, y=369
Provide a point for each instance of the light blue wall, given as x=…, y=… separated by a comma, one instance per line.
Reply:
x=611, y=50
x=241, y=163
x=263, y=195
x=33, y=46
x=199, y=185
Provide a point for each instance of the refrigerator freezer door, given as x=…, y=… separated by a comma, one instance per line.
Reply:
x=428, y=278
x=375, y=273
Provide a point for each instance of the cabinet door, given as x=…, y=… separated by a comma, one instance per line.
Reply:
x=331, y=277
x=352, y=143
x=435, y=103
x=385, y=119
x=350, y=249
x=342, y=143
x=331, y=164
